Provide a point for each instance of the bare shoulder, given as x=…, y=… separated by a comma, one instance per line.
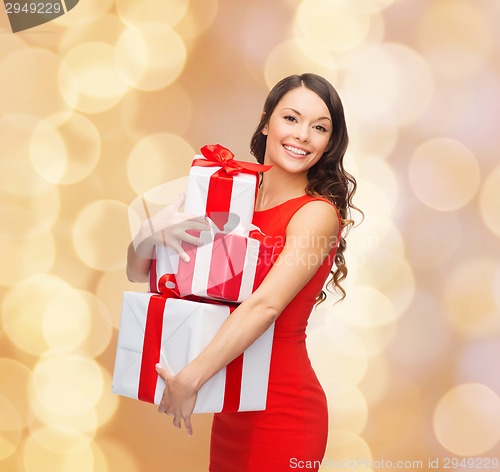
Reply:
x=317, y=216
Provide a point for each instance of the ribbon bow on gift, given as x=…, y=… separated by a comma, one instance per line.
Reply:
x=217, y=155
x=221, y=181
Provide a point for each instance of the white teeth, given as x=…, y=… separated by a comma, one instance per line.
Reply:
x=295, y=150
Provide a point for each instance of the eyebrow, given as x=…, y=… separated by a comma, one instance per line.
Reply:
x=300, y=114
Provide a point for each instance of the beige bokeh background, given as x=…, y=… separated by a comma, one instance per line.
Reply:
x=114, y=98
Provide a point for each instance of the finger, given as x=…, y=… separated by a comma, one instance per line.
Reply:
x=180, y=251
x=162, y=407
x=188, y=238
x=197, y=225
x=163, y=372
x=176, y=422
x=189, y=427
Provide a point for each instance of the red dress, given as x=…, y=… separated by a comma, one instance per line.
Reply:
x=294, y=426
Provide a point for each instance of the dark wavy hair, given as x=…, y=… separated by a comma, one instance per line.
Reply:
x=327, y=178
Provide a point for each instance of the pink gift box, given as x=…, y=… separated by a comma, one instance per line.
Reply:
x=226, y=267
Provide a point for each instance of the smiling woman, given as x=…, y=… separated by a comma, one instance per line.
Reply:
x=303, y=206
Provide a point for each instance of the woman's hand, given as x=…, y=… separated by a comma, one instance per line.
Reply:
x=169, y=228
x=179, y=398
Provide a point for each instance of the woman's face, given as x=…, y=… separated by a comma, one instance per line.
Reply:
x=298, y=131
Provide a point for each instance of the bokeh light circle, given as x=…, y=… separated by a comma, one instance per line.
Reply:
x=489, y=201
x=67, y=383
x=26, y=217
x=364, y=6
x=331, y=363
x=168, y=154
x=474, y=364
x=101, y=234
x=65, y=148
x=167, y=12
x=422, y=337
x=373, y=129
x=376, y=383
x=296, y=56
x=17, y=176
x=105, y=29
x=436, y=241
x=469, y=306
x=455, y=36
x=398, y=76
x=22, y=315
x=11, y=428
x=61, y=330
x=466, y=419
x=328, y=24
x=55, y=438
x=390, y=274
x=15, y=392
x=36, y=458
x=444, y=174
x=144, y=113
x=101, y=325
x=348, y=409
x=342, y=447
x=366, y=307
x=25, y=258
x=150, y=56
x=84, y=14
x=117, y=456
x=198, y=19
x=85, y=423
x=39, y=97
x=88, y=79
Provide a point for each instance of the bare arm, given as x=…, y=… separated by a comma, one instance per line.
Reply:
x=138, y=266
x=310, y=236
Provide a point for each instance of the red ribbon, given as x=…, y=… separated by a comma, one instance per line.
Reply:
x=148, y=377
x=221, y=182
x=153, y=287
x=226, y=266
x=152, y=339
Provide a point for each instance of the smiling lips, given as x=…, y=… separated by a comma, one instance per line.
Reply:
x=296, y=151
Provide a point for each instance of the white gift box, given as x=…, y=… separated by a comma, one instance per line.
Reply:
x=187, y=327
x=242, y=194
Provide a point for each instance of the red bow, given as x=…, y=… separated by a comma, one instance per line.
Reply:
x=217, y=155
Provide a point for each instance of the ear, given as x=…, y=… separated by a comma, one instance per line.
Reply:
x=265, y=129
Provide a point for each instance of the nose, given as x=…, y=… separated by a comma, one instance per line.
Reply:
x=302, y=133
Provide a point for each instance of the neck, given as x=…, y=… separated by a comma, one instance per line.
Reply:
x=279, y=186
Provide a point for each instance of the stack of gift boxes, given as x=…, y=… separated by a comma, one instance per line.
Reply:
x=188, y=302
